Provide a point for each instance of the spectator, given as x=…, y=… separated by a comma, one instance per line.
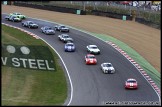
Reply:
x=149, y=5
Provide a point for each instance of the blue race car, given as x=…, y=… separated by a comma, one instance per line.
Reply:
x=69, y=47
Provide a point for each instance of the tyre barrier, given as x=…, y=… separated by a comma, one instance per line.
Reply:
x=33, y=35
x=145, y=75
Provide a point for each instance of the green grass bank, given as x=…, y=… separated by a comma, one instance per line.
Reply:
x=28, y=87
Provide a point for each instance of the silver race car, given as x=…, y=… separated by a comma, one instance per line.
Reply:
x=107, y=68
x=65, y=38
x=29, y=24
x=47, y=30
x=61, y=28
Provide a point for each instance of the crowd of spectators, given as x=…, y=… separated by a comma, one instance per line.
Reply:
x=156, y=6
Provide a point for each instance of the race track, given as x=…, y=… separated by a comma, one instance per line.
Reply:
x=90, y=85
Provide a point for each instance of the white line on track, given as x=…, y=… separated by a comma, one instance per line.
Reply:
x=101, y=40
x=58, y=55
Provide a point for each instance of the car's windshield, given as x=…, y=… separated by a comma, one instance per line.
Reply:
x=31, y=23
x=131, y=81
x=48, y=28
x=70, y=45
x=65, y=36
x=62, y=26
x=94, y=47
x=18, y=13
x=107, y=65
x=90, y=56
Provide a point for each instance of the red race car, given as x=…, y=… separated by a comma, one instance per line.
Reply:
x=90, y=59
x=131, y=84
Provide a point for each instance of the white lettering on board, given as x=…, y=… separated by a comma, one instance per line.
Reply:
x=4, y=60
x=32, y=63
x=39, y=62
x=15, y=62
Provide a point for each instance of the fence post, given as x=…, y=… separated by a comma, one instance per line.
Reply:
x=133, y=13
x=84, y=8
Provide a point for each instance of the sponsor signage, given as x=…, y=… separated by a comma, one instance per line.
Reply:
x=28, y=57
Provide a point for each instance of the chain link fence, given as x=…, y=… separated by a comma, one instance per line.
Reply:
x=106, y=6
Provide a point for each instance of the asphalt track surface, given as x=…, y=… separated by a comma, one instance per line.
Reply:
x=90, y=85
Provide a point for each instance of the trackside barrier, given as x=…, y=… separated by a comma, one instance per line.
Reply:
x=146, y=76
x=33, y=35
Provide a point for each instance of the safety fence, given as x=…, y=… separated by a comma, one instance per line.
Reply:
x=101, y=8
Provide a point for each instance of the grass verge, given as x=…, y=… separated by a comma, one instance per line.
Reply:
x=31, y=87
x=151, y=71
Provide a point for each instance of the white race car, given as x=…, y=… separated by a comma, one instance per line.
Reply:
x=107, y=68
x=93, y=49
x=65, y=38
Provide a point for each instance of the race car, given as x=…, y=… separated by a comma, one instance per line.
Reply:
x=131, y=84
x=90, y=59
x=61, y=28
x=18, y=15
x=47, y=30
x=13, y=18
x=29, y=24
x=7, y=17
x=65, y=38
x=69, y=47
x=93, y=49
x=107, y=68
